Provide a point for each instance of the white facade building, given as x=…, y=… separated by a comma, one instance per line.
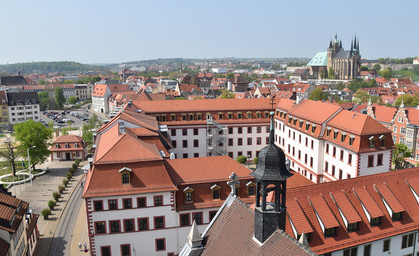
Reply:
x=23, y=106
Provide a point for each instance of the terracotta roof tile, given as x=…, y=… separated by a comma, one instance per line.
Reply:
x=368, y=202
x=323, y=210
x=346, y=207
x=389, y=198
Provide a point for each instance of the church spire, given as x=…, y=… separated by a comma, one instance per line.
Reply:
x=330, y=43
x=355, y=43
x=340, y=44
x=352, y=46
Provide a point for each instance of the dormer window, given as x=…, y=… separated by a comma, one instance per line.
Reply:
x=382, y=141
x=372, y=141
x=342, y=137
x=307, y=125
x=351, y=140
x=216, y=192
x=251, y=188
x=125, y=175
x=313, y=128
x=266, y=114
x=199, y=116
x=335, y=134
x=57, y=146
x=163, y=118
x=191, y=117
x=173, y=117
x=249, y=115
x=301, y=123
x=76, y=145
x=66, y=145
x=230, y=115
x=294, y=121
x=239, y=115
x=188, y=194
x=328, y=130
x=258, y=115
x=220, y=115
x=183, y=117
x=209, y=116
x=280, y=114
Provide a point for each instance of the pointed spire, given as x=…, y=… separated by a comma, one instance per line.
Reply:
x=340, y=44
x=330, y=43
x=194, y=236
x=303, y=240
x=352, y=46
x=355, y=42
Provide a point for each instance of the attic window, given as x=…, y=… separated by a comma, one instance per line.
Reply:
x=239, y=115
x=199, y=116
x=343, y=137
x=209, y=116
x=230, y=115
x=188, y=194
x=313, y=128
x=351, y=140
x=125, y=175
x=328, y=131
x=258, y=115
x=220, y=115
x=295, y=121
x=184, y=117
x=191, y=117
x=76, y=145
x=57, y=146
x=251, y=188
x=66, y=145
x=307, y=125
x=382, y=141
x=280, y=114
x=249, y=115
x=266, y=114
x=335, y=134
x=372, y=141
x=216, y=192
x=301, y=123
x=163, y=118
x=173, y=117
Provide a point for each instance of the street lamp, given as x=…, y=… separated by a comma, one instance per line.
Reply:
x=29, y=164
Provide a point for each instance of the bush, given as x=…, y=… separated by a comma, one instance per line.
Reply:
x=56, y=196
x=69, y=175
x=75, y=166
x=61, y=188
x=71, y=170
x=65, y=182
x=46, y=212
x=77, y=161
x=255, y=160
x=51, y=204
x=241, y=159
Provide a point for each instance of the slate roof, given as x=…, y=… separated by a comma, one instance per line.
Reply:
x=12, y=80
x=343, y=54
x=16, y=98
x=231, y=233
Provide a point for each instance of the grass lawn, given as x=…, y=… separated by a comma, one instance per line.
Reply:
x=3, y=164
x=17, y=178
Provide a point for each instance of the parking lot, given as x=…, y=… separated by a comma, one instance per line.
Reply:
x=61, y=118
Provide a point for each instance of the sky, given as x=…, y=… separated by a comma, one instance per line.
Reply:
x=105, y=31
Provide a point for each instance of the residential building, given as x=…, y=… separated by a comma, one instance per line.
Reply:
x=83, y=91
x=211, y=127
x=327, y=143
x=100, y=96
x=18, y=227
x=68, y=147
x=4, y=112
x=23, y=106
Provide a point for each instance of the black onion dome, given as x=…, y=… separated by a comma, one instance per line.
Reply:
x=271, y=162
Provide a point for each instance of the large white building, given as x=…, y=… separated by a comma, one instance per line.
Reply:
x=23, y=106
x=100, y=96
x=326, y=143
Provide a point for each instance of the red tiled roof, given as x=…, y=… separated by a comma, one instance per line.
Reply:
x=358, y=124
x=323, y=211
x=389, y=197
x=99, y=90
x=68, y=139
x=370, y=205
x=346, y=207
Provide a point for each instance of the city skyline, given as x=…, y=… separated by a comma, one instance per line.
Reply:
x=111, y=32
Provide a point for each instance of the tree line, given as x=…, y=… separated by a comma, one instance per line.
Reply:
x=49, y=67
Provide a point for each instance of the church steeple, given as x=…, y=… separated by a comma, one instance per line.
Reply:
x=352, y=46
x=355, y=43
x=271, y=176
x=330, y=44
x=340, y=44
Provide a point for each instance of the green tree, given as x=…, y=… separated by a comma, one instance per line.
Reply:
x=377, y=67
x=44, y=100
x=72, y=100
x=241, y=159
x=318, y=94
x=400, y=153
x=43, y=82
x=361, y=96
x=331, y=74
x=276, y=66
x=68, y=81
x=35, y=136
x=364, y=68
x=226, y=94
x=408, y=100
x=386, y=73
x=230, y=75
x=8, y=152
x=372, y=83
x=59, y=97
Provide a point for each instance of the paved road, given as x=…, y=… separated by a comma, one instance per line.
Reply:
x=63, y=234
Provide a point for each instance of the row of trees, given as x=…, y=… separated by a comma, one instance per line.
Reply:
x=49, y=99
x=408, y=60
x=49, y=67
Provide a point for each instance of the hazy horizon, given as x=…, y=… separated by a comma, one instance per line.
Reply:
x=104, y=32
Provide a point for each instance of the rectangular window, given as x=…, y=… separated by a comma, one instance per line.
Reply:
x=125, y=250
x=159, y=222
x=239, y=141
x=173, y=132
x=249, y=129
x=184, y=132
x=98, y=205
x=100, y=227
x=379, y=159
x=143, y=224
x=334, y=151
x=311, y=162
x=305, y=158
x=184, y=143
x=160, y=244
x=105, y=251
x=312, y=144
x=371, y=161
x=258, y=141
x=115, y=226
x=212, y=215
x=340, y=174
x=341, y=155
x=113, y=204
x=158, y=200
x=230, y=142
x=386, y=245
x=141, y=202
x=129, y=225
x=249, y=141
x=197, y=216
x=185, y=155
x=127, y=203
x=351, y=252
x=195, y=143
x=258, y=129
x=174, y=144
x=240, y=130
x=184, y=219
x=326, y=166
x=195, y=154
x=195, y=131
x=350, y=159
x=327, y=148
x=333, y=170
x=216, y=194
x=230, y=130
x=407, y=241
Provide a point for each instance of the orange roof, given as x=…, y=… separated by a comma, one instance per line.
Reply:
x=314, y=111
x=358, y=124
x=99, y=90
x=205, y=105
x=68, y=139
x=383, y=113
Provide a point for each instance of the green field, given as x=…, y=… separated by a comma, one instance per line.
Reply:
x=414, y=75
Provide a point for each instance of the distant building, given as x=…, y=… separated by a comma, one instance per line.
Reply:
x=416, y=61
x=68, y=147
x=13, y=80
x=23, y=106
x=4, y=111
x=83, y=91
x=345, y=64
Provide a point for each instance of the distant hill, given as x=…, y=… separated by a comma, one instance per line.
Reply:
x=48, y=67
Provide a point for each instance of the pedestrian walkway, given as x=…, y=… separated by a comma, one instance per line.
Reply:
x=80, y=234
x=40, y=193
